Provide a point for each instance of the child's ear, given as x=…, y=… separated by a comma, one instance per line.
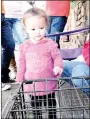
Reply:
x=25, y=29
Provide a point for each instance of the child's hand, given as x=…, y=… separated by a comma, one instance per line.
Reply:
x=57, y=70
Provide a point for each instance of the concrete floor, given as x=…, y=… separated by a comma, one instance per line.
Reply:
x=6, y=95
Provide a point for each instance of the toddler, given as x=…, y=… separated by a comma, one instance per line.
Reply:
x=39, y=59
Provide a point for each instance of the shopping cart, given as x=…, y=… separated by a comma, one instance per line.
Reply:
x=71, y=101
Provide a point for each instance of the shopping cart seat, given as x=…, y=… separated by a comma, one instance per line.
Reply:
x=70, y=54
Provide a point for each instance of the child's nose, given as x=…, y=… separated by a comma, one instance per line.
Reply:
x=37, y=31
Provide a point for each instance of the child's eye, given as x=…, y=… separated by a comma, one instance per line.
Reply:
x=41, y=27
x=32, y=29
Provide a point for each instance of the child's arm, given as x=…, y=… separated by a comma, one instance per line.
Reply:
x=22, y=66
x=58, y=62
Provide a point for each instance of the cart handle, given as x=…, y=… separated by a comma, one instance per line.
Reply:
x=53, y=79
x=68, y=32
x=40, y=80
x=28, y=82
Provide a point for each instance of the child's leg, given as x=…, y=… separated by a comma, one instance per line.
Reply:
x=51, y=104
x=36, y=102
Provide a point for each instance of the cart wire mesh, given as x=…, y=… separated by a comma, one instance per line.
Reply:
x=71, y=102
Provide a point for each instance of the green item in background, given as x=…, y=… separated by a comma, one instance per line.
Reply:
x=73, y=3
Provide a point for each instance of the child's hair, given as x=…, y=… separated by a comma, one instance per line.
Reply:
x=35, y=12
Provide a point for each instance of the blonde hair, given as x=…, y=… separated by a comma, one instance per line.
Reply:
x=35, y=12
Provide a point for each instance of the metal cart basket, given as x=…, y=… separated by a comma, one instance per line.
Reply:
x=71, y=102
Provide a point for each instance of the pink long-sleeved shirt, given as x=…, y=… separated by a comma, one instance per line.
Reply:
x=37, y=62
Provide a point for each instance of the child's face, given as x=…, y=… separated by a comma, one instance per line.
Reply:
x=36, y=27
